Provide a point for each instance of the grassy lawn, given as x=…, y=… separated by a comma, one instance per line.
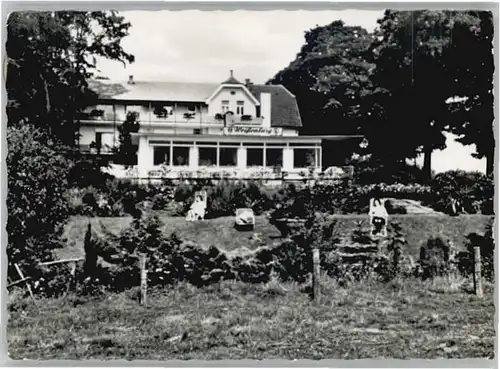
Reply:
x=220, y=231
x=231, y=320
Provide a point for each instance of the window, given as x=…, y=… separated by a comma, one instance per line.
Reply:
x=180, y=156
x=224, y=106
x=162, y=111
x=207, y=156
x=197, y=131
x=303, y=158
x=191, y=108
x=98, y=140
x=257, y=111
x=138, y=109
x=161, y=155
x=255, y=157
x=104, y=141
x=239, y=107
x=274, y=157
x=228, y=156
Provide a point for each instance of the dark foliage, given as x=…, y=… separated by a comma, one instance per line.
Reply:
x=329, y=78
x=37, y=172
x=473, y=192
x=486, y=244
x=50, y=56
x=125, y=153
x=434, y=258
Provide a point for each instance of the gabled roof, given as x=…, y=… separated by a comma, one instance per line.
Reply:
x=231, y=80
x=227, y=85
x=284, y=108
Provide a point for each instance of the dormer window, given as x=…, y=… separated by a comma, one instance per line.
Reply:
x=240, y=107
x=224, y=106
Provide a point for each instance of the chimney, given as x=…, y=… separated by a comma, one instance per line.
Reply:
x=248, y=83
x=131, y=80
x=265, y=109
x=231, y=73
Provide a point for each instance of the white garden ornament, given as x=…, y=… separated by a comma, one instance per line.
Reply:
x=198, y=208
x=378, y=217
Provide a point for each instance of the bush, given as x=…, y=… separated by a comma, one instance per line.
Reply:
x=473, y=190
x=342, y=197
x=169, y=259
x=435, y=258
x=227, y=196
x=486, y=245
x=87, y=172
x=37, y=169
x=119, y=198
x=368, y=172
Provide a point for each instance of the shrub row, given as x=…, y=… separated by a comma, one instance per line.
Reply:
x=122, y=198
x=112, y=261
x=473, y=192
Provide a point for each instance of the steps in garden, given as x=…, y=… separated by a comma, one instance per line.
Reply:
x=357, y=248
x=353, y=258
x=356, y=253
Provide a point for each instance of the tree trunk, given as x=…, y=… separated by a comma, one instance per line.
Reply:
x=47, y=96
x=490, y=162
x=427, y=167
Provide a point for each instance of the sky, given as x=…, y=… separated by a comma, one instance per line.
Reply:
x=203, y=46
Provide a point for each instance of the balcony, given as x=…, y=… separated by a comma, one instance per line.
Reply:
x=174, y=119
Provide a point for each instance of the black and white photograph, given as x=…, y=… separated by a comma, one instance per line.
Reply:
x=250, y=184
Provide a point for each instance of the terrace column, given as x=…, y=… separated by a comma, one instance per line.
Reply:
x=193, y=157
x=144, y=157
x=242, y=158
x=287, y=158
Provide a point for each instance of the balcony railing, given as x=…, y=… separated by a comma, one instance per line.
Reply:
x=218, y=173
x=179, y=118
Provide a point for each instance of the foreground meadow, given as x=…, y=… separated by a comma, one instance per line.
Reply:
x=231, y=320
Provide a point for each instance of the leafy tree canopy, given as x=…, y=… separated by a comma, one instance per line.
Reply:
x=329, y=77
x=416, y=73
x=50, y=56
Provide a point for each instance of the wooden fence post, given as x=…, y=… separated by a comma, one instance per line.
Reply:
x=478, y=285
x=316, y=273
x=144, y=278
x=27, y=286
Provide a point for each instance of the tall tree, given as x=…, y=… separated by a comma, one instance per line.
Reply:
x=413, y=82
x=50, y=56
x=328, y=77
x=471, y=65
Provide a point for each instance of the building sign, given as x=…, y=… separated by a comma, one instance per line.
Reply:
x=252, y=131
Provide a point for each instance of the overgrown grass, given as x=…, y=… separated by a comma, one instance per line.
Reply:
x=232, y=320
x=221, y=233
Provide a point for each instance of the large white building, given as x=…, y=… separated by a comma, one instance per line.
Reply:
x=234, y=129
